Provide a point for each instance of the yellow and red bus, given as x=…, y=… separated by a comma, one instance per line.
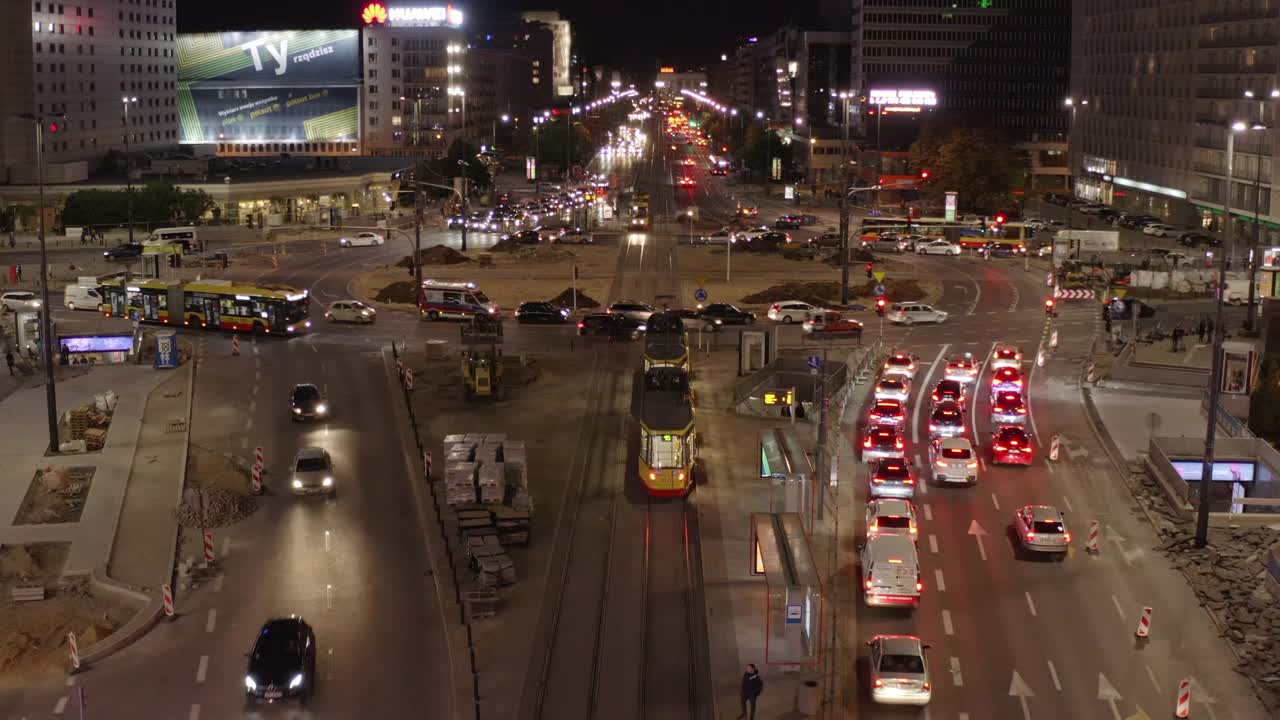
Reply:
x=209, y=304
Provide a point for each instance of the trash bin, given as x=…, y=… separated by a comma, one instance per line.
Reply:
x=809, y=698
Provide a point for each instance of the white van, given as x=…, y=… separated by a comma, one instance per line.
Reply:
x=1237, y=290
x=891, y=572
x=83, y=295
x=187, y=237
x=463, y=300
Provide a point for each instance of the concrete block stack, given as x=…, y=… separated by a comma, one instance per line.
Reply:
x=517, y=475
x=492, y=477
x=459, y=482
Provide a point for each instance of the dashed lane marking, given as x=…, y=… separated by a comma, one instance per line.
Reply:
x=60, y=706
x=194, y=714
x=1053, y=673
x=946, y=623
x=1152, y=676
x=933, y=544
x=202, y=669
x=1116, y=601
x=939, y=580
x=1030, y=603
x=928, y=509
x=211, y=621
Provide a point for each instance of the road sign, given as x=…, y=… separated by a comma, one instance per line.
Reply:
x=795, y=614
x=879, y=289
x=1120, y=292
x=878, y=275
x=701, y=280
x=815, y=362
x=700, y=295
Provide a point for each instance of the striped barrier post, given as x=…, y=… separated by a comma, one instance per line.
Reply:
x=1055, y=447
x=1040, y=358
x=257, y=456
x=408, y=379
x=255, y=477
x=1144, y=623
x=1095, y=529
x=208, y=546
x=1053, y=340
x=426, y=464
x=73, y=651
x=1183, y=708
x=1092, y=374
x=167, y=593
x=235, y=345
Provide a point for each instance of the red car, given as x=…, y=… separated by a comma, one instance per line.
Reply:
x=1010, y=445
x=1007, y=378
x=887, y=412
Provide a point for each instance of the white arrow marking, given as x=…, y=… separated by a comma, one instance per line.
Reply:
x=977, y=532
x=1108, y=694
x=1019, y=689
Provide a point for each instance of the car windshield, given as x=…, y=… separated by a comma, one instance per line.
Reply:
x=902, y=664
x=1048, y=527
x=899, y=360
x=271, y=653
x=481, y=297
x=357, y=305
x=946, y=415
x=1013, y=437
x=956, y=453
x=305, y=394
x=893, y=521
x=312, y=465
x=890, y=384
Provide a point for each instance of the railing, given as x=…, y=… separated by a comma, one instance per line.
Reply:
x=1234, y=426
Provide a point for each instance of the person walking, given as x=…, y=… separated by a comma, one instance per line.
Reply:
x=8, y=360
x=1201, y=328
x=18, y=272
x=1178, y=334
x=1208, y=328
x=752, y=686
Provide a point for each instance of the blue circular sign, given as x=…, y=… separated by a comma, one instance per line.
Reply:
x=879, y=289
x=699, y=294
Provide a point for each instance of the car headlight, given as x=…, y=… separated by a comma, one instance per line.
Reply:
x=327, y=482
x=250, y=683
x=298, y=410
x=36, y=303
x=307, y=324
x=289, y=328
x=366, y=313
x=321, y=408
x=297, y=483
x=296, y=682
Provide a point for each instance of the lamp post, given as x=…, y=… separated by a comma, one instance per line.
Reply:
x=128, y=165
x=1215, y=374
x=1250, y=314
x=46, y=325
x=505, y=119
x=844, y=201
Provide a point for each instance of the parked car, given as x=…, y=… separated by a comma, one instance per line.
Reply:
x=1161, y=230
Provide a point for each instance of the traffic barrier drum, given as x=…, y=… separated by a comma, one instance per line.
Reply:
x=1144, y=623
x=208, y=546
x=1183, y=707
x=166, y=593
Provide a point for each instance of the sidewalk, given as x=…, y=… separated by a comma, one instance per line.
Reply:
x=1130, y=419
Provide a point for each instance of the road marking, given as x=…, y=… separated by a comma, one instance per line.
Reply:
x=983, y=462
x=995, y=501
x=1053, y=673
x=244, y=443
x=977, y=532
x=248, y=425
x=328, y=540
x=924, y=484
x=963, y=716
x=195, y=712
x=1067, y=501
x=314, y=349
x=254, y=345
x=257, y=375
x=1049, y=465
x=1119, y=609
x=956, y=677
x=1108, y=694
x=946, y=623
x=933, y=544
x=1030, y=603
x=60, y=706
x=328, y=597
x=928, y=512
x=213, y=619
x=1018, y=688
x=1013, y=307
x=924, y=387
x=226, y=545
x=217, y=583
x=917, y=459
x=203, y=669
x=1151, y=674
x=938, y=580
x=71, y=680
x=253, y=405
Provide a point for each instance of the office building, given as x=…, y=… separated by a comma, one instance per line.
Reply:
x=1005, y=65
x=81, y=58
x=561, y=79
x=1155, y=91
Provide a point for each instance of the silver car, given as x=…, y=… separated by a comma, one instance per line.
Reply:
x=892, y=477
x=910, y=313
x=893, y=387
x=1042, y=529
x=952, y=460
x=899, y=670
x=312, y=472
x=891, y=516
x=632, y=309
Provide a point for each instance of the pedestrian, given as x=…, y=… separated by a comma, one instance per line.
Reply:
x=1106, y=319
x=1208, y=328
x=8, y=360
x=1201, y=328
x=752, y=686
x=1177, y=335
x=18, y=271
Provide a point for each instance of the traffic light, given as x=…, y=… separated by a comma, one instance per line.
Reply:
x=1049, y=304
x=925, y=175
x=54, y=126
x=1001, y=218
x=869, y=275
x=880, y=303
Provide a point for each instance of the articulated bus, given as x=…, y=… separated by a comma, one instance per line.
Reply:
x=968, y=233
x=208, y=304
x=666, y=343
x=668, y=441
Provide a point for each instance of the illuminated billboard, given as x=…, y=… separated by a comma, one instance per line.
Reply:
x=411, y=16
x=894, y=100
x=290, y=85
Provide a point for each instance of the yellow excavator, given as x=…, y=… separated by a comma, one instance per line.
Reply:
x=482, y=357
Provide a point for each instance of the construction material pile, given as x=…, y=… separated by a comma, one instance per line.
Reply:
x=85, y=427
x=214, y=507
x=486, y=468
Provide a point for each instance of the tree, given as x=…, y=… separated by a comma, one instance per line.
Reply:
x=979, y=164
x=157, y=202
x=761, y=146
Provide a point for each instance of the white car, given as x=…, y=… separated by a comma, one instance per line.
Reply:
x=362, y=239
x=1006, y=356
x=350, y=311
x=899, y=364
x=19, y=300
x=719, y=237
x=893, y=387
x=312, y=472
x=632, y=309
x=793, y=311
x=952, y=460
x=937, y=247
x=892, y=516
x=910, y=313
x=899, y=671
x=1161, y=230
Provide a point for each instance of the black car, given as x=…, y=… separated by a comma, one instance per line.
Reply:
x=282, y=664
x=1136, y=222
x=948, y=391
x=306, y=402
x=610, y=326
x=540, y=312
x=1000, y=249
x=788, y=221
x=525, y=237
x=1122, y=309
x=772, y=239
x=726, y=314
x=457, y=221
x=1196, y=239
x=124, y=252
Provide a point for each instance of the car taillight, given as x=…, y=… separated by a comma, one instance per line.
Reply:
x=653, y=476
x=1031, y=536
x=919, y=586
x=897, y=443
x=877, y=479
x=940, y=463
x=1026, y=449
x=582, y=324
x=879, y=682
x=1018, y=383
x=866, y=443
x=867, y=584
x=926, y=685
x=680, y=476
x=909, y=481
x=774, y=307
x=1000, y=448
x=935, y=397
x=1066, y=537
x=971, y=464
x=1022, y=411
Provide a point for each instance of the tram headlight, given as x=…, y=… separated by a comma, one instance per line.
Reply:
x=653, y=476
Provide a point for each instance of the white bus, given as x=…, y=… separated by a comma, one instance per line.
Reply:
x=187, y=237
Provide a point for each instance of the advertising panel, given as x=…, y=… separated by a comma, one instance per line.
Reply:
x=269, y=86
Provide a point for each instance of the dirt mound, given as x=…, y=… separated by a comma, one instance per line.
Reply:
x=400, y=291
x=506, y=246
x=814, y=293
x=544, y=253
x=435, y=255
x=565, y=299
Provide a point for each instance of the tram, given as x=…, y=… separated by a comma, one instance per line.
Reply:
x=668, y=440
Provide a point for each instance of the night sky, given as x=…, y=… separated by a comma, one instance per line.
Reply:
x=633, y=35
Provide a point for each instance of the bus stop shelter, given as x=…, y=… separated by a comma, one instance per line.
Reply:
x=793, y=611
x=789, y=468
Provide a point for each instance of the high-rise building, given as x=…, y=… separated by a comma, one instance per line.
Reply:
x=83, y=58
x=1004, y=64
x=1155, y=90
x=561, y=50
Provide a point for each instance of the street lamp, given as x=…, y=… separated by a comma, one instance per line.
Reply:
x=1215, y=374
x=46, y=326
x=1250, y=315
x=128, y=165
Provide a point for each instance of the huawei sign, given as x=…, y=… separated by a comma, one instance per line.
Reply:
x=374, y=12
